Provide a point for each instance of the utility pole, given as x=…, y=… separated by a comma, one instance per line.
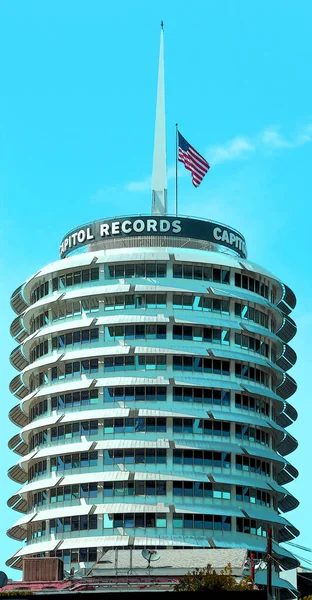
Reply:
x=252, y=567
x=269, y=564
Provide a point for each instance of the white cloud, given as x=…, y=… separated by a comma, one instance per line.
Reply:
x=273, y=139
x=238, y=147
x=139, y=186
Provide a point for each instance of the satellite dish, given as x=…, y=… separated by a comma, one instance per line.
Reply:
x=150, y=556
x=3, y=579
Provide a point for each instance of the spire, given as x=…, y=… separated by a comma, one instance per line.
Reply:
x=159, y=177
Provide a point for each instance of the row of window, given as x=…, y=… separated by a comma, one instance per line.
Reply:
x=64, y=309
x=75, y=278
x=196, y=333
x=252, y=284
x=75, y=555
x=147, y=520
x=151, y=424
x=244, y=310
x=148, y=425
x=125, y=301
x=150, y=394
x=253, y=434
x=144, y=270
x=40, y=291
x=248, y=342
x=40, y=321
x=129, y=301
x=252, y=404
x=203, y=303
x=39, y=350
x=150, y=362
x=62, y=525
x=78, y=337
x=179, y=332
x=196, y=489
x=150, y=456
x=201, y=273
x=138, y=332
x=153, y=270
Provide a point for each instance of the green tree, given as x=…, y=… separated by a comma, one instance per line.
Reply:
x=208, y=579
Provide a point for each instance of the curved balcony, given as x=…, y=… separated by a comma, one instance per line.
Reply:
x=18, y=503
x=18, y=388
x=287, y=302
x=17, y=359
x=18, y=301
x=18, y=416
x=288, y=474
x=288, y=415
x=16, y=473
x=287, y=388
x=18, y=444
x=287, y=330
x=17, y=330
x=287, y=359
x=287, y=445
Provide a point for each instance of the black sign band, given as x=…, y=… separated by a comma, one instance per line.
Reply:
x=185, y=227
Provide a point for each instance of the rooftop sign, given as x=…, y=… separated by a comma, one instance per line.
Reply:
x=183, y=227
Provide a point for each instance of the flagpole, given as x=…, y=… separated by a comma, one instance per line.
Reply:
x=176, y=173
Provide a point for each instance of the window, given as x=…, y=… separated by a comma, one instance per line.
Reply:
x=201, y=334
x=39, y=350
x=76, y=338
x=253, y=434
x=253, y=465
x=131, y=332
x=201, y=396
x=203, y=303
x=252, y=284
x=135, y=394
x=200, y=458
x=74, y=399
x=73, y=461
x=138, y=456
x=65, y=524
x=252, y=404
x=75, y=369
x=40, y=321
x=39, y=292
x=201, y=365
x=138, y=424
x=195, y=521
x=252, y=373
x=248, y=342
x=39, y=409
x=217, y=428
x=75, y=278
x=201, y=272
x=201, y=489
x=143, y=270
x=251, y=526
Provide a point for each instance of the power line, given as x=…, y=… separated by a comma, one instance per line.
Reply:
x=300, y=547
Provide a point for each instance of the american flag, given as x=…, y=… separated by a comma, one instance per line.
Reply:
x=193, y=161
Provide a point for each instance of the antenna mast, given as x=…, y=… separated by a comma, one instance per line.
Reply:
x=159, y=177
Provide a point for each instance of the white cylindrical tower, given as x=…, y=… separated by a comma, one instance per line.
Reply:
x=152, y=394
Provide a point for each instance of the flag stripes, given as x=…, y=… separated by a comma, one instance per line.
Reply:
x=193, y=161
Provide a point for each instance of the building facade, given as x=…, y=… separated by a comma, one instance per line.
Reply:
x=152, y=395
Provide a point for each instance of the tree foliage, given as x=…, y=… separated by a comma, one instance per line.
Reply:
x=208, y=579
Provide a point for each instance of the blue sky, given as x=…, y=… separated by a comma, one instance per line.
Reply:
x=77, y=110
